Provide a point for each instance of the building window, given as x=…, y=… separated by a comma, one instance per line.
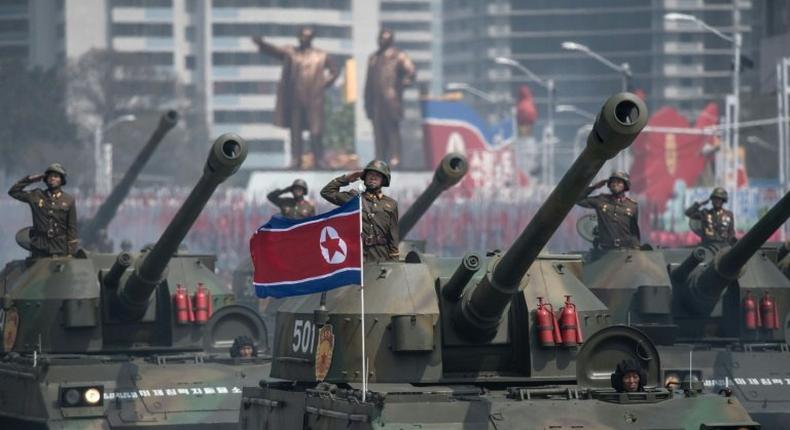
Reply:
x=406, y=6
x=189, y=33
x=149, y=58
x=306, y=4
x=245, y=87
x=142, y=3
x=242, y=59
x=249, y=30
x=142, y=30
x=242, y=116
x=189, y=62
x=408, y=26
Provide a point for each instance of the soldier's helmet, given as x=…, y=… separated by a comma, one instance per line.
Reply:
x=623, y=176
x=56, y=168
x=720, y=193
x=240, y=341
x=301, y=183
x=380, y=167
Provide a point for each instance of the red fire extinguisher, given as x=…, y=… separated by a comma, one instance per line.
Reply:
x=202, y=304
x=751, y=317
x=182, y=305
x=546, y=323
x=768, y=311
x=569, y=324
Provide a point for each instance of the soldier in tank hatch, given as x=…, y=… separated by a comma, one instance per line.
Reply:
x=718, y=224
x=54, y=212
x=379, y=212
x=295, y=207
x=618, y=215
x=628, y=377
x=243, y=347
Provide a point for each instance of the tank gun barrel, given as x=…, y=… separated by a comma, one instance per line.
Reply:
x=619, y=122
x=226, y=155
x=705, y=285
x=450, y=171
x=107, y=210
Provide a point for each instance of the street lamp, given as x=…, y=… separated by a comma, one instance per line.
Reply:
x=624, y=68
x=735, y=39
x=102, y=184
x=573, y=109
x=548, y=131
x=462, y=86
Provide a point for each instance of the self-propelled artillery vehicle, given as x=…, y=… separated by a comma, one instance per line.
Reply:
x=121, y=341
x=718, y=313
x=464, y=343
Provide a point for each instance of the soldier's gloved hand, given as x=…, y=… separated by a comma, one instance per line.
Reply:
x=258, y=40
x=704, y=202
x=354, y=176
x=38, y=177
x=600, y=183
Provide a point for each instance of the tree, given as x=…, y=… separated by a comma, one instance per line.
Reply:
x=104, y=85
x=35, y=129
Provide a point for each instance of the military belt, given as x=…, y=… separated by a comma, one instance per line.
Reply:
x=370, y=241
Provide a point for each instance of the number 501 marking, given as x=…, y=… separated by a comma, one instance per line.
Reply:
x=304, y=337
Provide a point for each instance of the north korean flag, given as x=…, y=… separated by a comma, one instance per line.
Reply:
x=309, y=255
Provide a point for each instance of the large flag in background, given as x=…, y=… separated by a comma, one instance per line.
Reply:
x=294, y=257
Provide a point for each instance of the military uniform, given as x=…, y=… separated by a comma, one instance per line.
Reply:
x=718, y=225
x=618, y=217
x=54, y=229
x=291, y=207
x=379, y=219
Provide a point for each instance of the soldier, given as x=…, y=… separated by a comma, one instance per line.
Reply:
x=295, y=207
x=718, y=224
x=617, y=214
x=390, y=71
x=54, y=231
x=300, y=95
x=628, y=377
x=126, y=245
x=379, y=212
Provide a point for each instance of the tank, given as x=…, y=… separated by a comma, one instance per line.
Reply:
x=458, y=343
x=723, y=310
x=451, y=169
x=110, y=341
x=91, y=229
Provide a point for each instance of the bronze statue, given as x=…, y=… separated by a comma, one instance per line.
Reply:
x=300, y=95
x=390, y=71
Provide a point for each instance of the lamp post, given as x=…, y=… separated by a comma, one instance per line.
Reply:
x=102, y=184
x=548, y=131
x=730, y=174
x=624, y=68
x=462, y=86
x=573, y=109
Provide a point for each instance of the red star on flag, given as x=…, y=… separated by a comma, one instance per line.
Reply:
x=332, y=246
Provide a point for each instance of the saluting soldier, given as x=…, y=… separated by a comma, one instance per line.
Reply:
x=295, y=207
x=618, y=215
x=379, y=212
x=718, y=224
x=54, y=231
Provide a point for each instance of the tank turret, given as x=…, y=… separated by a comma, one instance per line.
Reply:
x=134, y=292
x=89, y=231
x=130, y=340
x=450, y=171
x=621, y=119
x=703, y=287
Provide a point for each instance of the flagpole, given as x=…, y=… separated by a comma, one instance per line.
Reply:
x=362, y=303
